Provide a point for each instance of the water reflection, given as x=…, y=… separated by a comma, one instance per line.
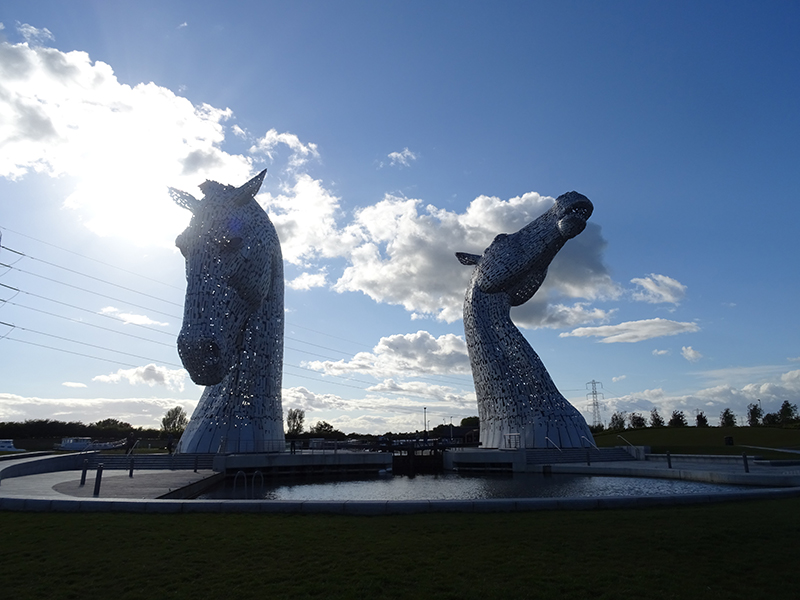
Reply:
x=452, y=486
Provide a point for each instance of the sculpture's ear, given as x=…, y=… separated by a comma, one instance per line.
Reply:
x=249, y=190
x=468, y=259
x=184, y=200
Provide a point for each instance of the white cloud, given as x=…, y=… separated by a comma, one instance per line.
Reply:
x=660, y=352
x=305, y=215
x=121, y=145
x=412, y=354
x=420, y=389
x=538, y=313
x=144, y=412
x=378, y=413
x=306, y=281
x=34, y=36
x=403, y=159
x=659, y=288
x=740, y=375
x=130, y=318
x=182, y=25
x=151, y=375
x=405, y=254
x=73, y=384
x=711, y=400
x=301, y=153
x=690, y=354
x=619, y=378
x=633, y=331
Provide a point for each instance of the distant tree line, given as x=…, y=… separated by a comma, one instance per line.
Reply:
x=295, y=429
x=786, y=416
x=50, y=428
x=173, y=423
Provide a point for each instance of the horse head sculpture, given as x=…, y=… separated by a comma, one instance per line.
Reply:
x=232, y=334
x=516, y=396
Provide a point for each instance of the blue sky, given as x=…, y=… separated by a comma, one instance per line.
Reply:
x=396, y=134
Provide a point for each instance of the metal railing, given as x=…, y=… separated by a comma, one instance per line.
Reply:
x=554, y=444
x=583, y=437
x=228, y=446
x=626, y=441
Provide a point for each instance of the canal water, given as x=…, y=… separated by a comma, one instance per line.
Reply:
x=451, y=486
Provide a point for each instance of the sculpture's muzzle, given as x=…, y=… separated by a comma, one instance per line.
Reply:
x=202, y=358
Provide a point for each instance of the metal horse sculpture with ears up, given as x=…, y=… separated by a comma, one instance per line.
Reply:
x=516, y=396
x=232, y=334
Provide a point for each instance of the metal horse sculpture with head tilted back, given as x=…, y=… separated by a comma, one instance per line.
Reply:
x=232, y=334
x=516, y=396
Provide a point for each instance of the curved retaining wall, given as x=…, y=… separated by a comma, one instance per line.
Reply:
x=34, y=465
x=390, y=507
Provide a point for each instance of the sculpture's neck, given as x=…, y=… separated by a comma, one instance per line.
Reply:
x=487, y=319
x=258, y=368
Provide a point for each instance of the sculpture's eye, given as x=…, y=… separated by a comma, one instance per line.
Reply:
x=232, y=244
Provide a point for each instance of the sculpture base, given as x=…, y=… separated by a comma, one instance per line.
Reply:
x=561, y=431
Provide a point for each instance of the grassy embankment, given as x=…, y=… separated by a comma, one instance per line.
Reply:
x=708, y=440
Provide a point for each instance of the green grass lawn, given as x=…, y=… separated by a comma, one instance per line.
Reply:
x=707, y=440
x=742, y=550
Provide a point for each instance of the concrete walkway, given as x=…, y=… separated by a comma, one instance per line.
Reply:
x=114, y=484
x=725, y=470
x=60, y=491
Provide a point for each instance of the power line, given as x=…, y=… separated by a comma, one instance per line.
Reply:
x=420, y=377
x=116, y=362
x=118, y=268
x=44, y=312
x=111, y=283
x=388, y=409
x=108, y=316
x=76, y=287
x=437, y=378
x=173, y=345
x=22, y=254
x=88, y=344
x=395, y=392
x=295, y=325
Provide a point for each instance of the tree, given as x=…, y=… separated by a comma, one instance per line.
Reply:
x=656, y=420
x=294, y=421
x=727, y=418
x=322, y=428
x=175, y=420
x=754, y=414
x=112, y=424
x=470, y=422
x=771, y=420
x=787, y=413
x=678, y=419
x=701, y=419
x=637, y=421
x=617, y=421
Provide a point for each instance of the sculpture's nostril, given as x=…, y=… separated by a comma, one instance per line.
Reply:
x=202, y=358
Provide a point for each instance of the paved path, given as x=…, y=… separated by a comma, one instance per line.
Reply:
x=114, y=484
